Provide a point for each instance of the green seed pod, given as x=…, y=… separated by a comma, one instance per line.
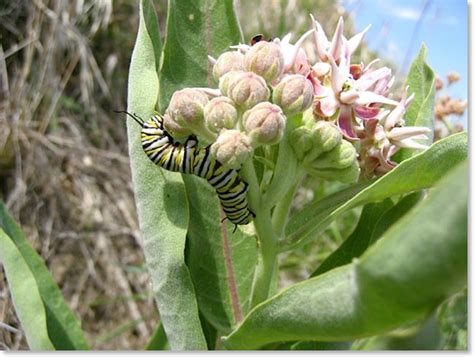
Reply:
x=266, y=60
x=227, y=62
x=186, y=108
x=231, y=148
x=220, y=113
x=294, y=94
x=264, y=123
x=246, y=89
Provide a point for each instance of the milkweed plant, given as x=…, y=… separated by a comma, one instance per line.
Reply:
x=224, y=133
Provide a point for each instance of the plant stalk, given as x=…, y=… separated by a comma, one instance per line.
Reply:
x=267, y=240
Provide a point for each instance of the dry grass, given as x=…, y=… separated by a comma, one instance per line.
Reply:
x=64, y=170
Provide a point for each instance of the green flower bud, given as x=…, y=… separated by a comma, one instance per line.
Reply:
x=340, y=157
x=264, y=123
x=246, y=89
x=228, y=61
x=313, y=138
x=294, y=94
x=231, y=148
x=220, y=113
x=186, y=108
x=174, y=128
x=349, y=174
x=265, y=59
x=226, y=79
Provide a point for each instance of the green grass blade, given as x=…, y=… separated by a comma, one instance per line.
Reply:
x=63, y=327
x=25, y=295
x=161, y=202
x=418, y=263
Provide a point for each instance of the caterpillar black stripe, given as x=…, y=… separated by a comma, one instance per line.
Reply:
x=188, y=158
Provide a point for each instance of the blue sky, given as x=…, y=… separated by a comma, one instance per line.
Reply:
x=394, y=33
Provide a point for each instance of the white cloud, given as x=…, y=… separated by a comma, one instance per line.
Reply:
x=406, y=13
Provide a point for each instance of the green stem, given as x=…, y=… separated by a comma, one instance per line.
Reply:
x=283, y=207
x=267, y=262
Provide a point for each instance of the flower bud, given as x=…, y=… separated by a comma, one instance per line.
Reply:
x=220, y=113
x=265, y=59
x=228, y=61
x=294, y=94
x=246, y=89
x=186, y=108
x=340, y=157
x=174, y=128
x=231, y=148
x=265, y=124
x=313, y=138
x=348, y=174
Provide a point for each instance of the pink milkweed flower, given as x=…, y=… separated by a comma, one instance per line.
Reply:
x=382, y=137
x=324, y=48
x=355, y=93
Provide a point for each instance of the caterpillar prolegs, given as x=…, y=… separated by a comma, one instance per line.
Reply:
x=188, y=158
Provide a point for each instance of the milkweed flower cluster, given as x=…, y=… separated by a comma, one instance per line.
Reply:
x=339, y=116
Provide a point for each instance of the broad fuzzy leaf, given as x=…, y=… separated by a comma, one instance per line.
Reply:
x=222, y=278
x=161, y=201
x=418, y=263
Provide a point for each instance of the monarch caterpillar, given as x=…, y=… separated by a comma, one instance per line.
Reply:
x=188, y=158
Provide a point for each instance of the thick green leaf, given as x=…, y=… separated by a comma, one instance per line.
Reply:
x=375, y=219
x=158, y=341
x=221, y=266
x=25, y=295
x=414, y=174
x=63, y=327
x=421, y=80
x=195, y=29
x=161, y=201
x=424, y=336
x=359, y=240
x=418, y=263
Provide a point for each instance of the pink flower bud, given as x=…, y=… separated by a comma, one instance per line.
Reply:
x=186, y=108
x=228, y=61
x=174, y=128
x=220, y=113
x=294, y=94
x=264, y=123
x=265, y=59
x=231, y=148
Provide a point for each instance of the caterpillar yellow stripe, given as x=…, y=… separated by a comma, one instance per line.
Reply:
x=188, y=158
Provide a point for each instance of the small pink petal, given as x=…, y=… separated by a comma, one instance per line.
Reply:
x=408, y=132
x=320, y=39
x=365, y=112
x=336, y=43
x=337, y=79
x=355, y=41
x=345, y=122
x=349, y=97
x=328, y=106
x=371, y=97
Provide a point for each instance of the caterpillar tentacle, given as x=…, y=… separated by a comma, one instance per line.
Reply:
x=188, y=158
